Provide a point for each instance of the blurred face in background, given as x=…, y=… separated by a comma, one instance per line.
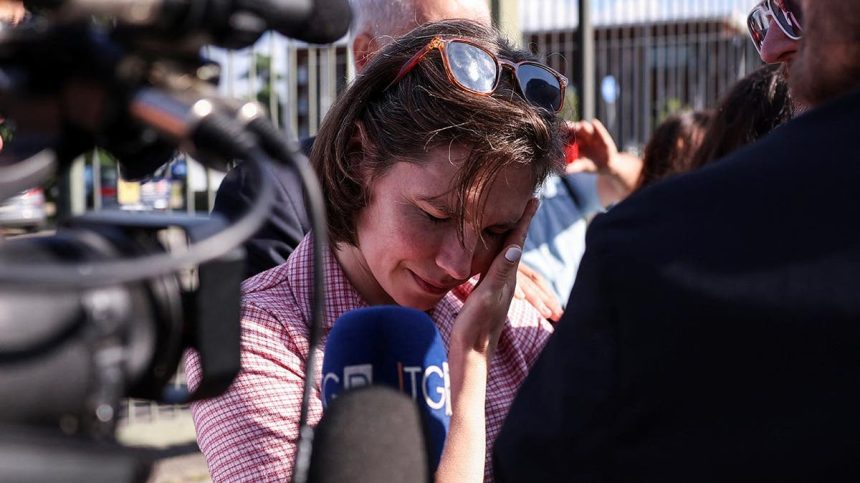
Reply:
x=373, y=36
x=12, y=11
x=775, y=27
x=828, y=62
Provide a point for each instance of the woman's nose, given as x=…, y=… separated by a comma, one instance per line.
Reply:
x=455, y=257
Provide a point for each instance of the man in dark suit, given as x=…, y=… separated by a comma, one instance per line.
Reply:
x=716, y=334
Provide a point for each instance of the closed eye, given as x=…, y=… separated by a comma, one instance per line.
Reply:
x=435, y=219
x=496, y=232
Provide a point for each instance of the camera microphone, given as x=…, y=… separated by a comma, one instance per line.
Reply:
x=232, y=24
x=370, y=434
x=396, y=347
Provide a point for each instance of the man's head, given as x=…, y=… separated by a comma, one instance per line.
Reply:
x=379, y=21
x=776, y=27
x=828, y=62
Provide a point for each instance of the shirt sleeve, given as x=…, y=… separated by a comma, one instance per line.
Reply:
x=532, y=330
x=250, y=432
x=585, y=185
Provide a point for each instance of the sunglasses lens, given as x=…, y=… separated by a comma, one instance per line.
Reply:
x=794, y=8
x=786, y=18
x=539, y=86
x=757, y=22
x=472, y=67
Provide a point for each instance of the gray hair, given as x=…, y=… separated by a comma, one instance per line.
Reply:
x=386, y=19
x=382, y=16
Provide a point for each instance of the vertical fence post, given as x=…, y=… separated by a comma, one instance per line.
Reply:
x=274, y=106
x=97, y=179
x=585, y=72
x=72, y=199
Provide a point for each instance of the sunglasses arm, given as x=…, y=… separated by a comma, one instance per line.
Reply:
x=436, y=43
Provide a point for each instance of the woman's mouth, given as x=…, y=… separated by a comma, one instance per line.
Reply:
x=429, y=287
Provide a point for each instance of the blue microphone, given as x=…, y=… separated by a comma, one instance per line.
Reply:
x=397, y=347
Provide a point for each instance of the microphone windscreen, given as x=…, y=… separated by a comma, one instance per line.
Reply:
x=396, y=347
x=370, y=434
x=326, y=22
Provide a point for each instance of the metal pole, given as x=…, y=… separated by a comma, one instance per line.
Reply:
x=72, y=200
x=585, y=73
x=97, y=179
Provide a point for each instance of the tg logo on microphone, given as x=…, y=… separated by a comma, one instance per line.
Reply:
x=432, y=383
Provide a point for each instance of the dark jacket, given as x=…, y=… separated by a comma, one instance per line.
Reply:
x=716, y=330
x=288, y=223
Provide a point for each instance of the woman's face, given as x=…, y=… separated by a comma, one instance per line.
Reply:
x=409, y=250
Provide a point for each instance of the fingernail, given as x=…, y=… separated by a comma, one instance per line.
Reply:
x=513, y=254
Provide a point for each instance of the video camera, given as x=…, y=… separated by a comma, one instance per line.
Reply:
x=104, y=308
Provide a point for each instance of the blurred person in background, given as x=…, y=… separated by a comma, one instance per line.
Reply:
x=756, y=105
x=670, y=149
x=12, y=12
x=715, y=335
x=430, y=170
x=596, y=177
x=776, y=27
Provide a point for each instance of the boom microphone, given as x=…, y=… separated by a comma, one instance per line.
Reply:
x=397, y=347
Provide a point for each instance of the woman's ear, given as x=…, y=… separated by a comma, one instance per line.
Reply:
x=360, y=157
x=364, y=45
x=361, y=153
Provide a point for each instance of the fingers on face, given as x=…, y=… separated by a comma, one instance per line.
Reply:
x=512, y=248
x=518, y=234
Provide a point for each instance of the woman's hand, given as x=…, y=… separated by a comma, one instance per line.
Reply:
x=532, y=287
x=473, y=342
x=618, y=172
x=597, y=149
x=484, y=314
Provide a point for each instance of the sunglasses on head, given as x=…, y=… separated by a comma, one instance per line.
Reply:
x=475, y=69
x=787, y=14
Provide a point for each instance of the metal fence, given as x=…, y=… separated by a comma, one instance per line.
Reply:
x=653, y=57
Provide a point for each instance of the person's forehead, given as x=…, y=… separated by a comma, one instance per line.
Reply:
x=434, y=10
x=431, y=181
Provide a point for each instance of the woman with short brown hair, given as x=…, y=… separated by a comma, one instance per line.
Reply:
x=429, y=163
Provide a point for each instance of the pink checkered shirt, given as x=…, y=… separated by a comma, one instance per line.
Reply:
x=250, y=432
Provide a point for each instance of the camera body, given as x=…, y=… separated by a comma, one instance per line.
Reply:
x=70, y=355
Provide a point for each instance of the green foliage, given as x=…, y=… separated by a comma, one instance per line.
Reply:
x=570, y=110
x=6, y=132
x=262, y=70
x=671, y=106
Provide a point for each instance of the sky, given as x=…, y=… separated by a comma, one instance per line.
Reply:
x=554, y=14
x=540, y=15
